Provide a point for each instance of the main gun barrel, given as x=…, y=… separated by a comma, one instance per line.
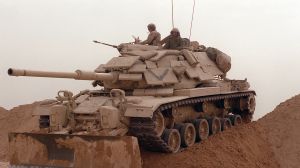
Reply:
x=78, y=74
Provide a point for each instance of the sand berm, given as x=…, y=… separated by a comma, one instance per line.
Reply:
x=271, y=142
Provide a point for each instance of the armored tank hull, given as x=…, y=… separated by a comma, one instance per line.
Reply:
x=167, y=99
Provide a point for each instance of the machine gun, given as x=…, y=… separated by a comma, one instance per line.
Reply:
x=98, y=42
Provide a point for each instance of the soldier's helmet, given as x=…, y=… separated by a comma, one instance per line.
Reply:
x=151, y=26
x=175, y=31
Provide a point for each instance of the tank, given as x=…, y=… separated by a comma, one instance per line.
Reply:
x=167, y=99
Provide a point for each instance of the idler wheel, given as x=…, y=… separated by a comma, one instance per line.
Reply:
x=159, y=122
x=202, y=129
x=187, y=134
x=247, y=108
x=251, y=104
x=172, y=138
x=214, y=125
x=248, y=104
x=236, y=120
x=226, y=124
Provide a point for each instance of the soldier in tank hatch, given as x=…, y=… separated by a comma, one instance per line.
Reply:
x=173, y=41
x=154, y=37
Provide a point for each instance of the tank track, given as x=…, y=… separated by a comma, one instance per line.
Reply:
x=143, y=128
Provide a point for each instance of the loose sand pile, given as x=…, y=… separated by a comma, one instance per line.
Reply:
x=271, y=142
x=282, y=130
x=2, y=110
x=241, y=147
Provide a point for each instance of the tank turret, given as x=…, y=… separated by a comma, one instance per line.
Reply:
x=150, y=67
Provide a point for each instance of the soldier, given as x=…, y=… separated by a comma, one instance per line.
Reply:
x=173, y=41
x=153, y=37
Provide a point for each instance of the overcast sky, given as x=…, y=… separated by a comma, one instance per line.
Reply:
x=261, y=36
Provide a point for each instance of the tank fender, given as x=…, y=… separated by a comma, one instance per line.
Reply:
x=44, y=107
x=135, y=111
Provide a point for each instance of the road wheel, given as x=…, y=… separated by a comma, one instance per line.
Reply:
x=202, y=129
x=187, y=134
x=236, y=120
x=214, y=125
x=159, y=122
x=172, y=138
x=226, y=124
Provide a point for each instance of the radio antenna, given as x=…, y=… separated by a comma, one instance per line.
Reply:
x=192, y=20
x=172, y=13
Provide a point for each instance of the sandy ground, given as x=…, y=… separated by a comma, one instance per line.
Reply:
x=242, y=147
x=271, y=142
x=282, y=131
